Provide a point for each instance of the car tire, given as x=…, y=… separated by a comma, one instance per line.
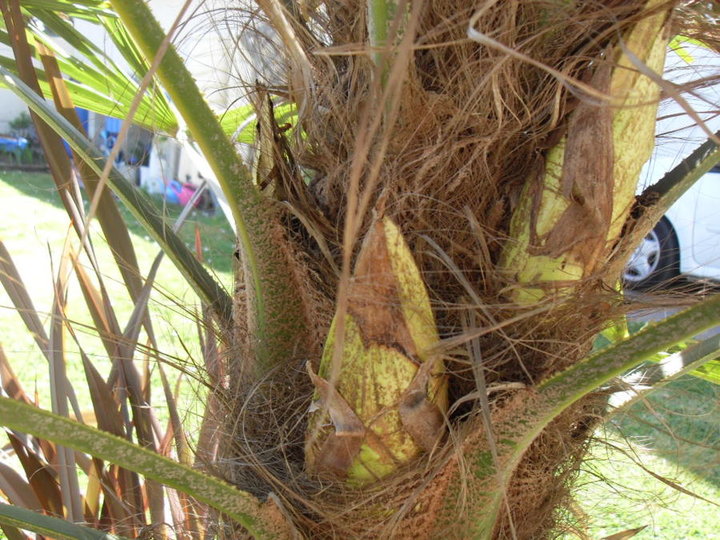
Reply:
x=656, y=261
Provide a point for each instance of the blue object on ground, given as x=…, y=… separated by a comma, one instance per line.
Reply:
x=172, y=192
x=12, y=144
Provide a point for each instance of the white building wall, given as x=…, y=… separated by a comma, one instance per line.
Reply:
x=10, y=108
x=215, y=55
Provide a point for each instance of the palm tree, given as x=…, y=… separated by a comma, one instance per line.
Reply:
x=426, y=254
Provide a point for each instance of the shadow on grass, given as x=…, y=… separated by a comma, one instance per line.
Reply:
x=216, y=235
x=681, y=423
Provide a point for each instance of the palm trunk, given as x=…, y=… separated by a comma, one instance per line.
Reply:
x=512, y=124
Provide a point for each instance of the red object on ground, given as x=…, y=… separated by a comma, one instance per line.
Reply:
x=186, y=193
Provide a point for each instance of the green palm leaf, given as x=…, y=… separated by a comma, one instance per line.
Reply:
x=95, y=80
x=22, y=518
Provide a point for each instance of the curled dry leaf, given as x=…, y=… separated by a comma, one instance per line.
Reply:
x=341, y=447
x=624, y=535
x=420, y=416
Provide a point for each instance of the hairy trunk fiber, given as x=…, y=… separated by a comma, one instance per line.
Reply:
x=505, y=141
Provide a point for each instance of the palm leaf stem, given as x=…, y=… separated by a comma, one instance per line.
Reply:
x=276, y=311
x=238, y=505
x=52, y=527
x=553, y=396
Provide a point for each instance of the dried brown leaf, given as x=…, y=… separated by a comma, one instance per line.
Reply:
x=42, y=478
x=17, y=490
x=338, y=451
x=624, y=535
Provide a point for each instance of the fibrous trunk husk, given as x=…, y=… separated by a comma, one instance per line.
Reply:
x=515, y=167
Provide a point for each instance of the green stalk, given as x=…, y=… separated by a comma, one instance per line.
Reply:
x=678, y=180
x=238, y=505
x=278, y=320
x=656, y=199
x=689, y=361
x=378, y=18
x=200, y=119
x=52, y=527
x=568, y=386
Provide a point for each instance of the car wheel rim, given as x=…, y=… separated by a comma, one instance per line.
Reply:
x=645, y=259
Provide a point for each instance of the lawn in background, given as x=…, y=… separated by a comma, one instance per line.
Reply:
x=34, y=226
x=675, y=433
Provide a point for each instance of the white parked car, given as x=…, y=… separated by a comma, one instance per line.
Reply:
x=687, y=239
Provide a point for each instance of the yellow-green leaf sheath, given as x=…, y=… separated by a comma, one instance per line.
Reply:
x=389, y=327
x=634, y=123
x=567, y=223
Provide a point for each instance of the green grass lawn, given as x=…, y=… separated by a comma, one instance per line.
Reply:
x=34, y=227
x=675, y=433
